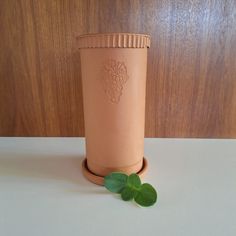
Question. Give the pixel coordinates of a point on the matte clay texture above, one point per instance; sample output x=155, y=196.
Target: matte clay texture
x=114, y=86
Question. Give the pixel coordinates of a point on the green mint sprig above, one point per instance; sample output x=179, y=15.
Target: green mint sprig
x=130, y=187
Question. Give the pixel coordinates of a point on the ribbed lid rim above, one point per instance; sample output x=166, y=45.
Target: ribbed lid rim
x=114, y=40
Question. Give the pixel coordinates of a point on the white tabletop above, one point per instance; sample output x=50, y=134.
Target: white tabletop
x=43, y=193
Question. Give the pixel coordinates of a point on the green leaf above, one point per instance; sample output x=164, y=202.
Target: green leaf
x=134, y=181
x=130, y=187
x=115, y=182
x=127, y=193
x=146, y=196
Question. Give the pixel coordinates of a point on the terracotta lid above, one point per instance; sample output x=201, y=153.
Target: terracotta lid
x=114, y=40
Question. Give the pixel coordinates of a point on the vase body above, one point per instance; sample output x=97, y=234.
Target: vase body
x=114, y=86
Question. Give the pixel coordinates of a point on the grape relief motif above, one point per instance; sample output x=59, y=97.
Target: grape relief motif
x=114, y=77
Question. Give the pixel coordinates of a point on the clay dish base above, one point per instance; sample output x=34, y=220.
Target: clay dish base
x=96, y=179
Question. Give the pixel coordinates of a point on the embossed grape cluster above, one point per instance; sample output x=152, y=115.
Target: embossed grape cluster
x=113, y=79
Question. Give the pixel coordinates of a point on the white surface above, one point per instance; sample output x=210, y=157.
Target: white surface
x=43, y=193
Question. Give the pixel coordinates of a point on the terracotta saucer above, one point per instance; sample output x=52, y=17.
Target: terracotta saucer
x=100, y=179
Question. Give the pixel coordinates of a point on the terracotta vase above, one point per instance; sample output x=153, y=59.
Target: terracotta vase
x=114, y=84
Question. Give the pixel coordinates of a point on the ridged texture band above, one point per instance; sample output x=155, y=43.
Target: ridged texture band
x=114, y=40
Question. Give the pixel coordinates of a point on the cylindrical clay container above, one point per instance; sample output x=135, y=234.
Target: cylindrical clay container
x=114, y=84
